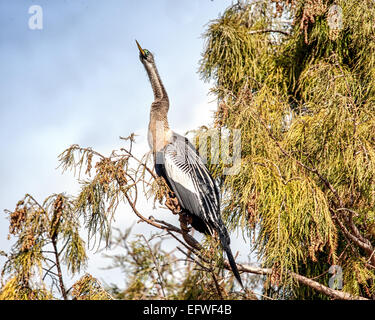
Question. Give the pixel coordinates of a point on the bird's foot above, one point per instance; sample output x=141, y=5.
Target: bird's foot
x=173, y=205
x=185, y=221
x=188, y=218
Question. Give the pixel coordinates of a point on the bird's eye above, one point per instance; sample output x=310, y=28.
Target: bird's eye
x=146, y=52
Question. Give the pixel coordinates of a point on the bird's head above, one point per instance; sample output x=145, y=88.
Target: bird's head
x=144, y=55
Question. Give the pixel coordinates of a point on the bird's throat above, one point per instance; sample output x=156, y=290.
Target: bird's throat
x=158, y=129
x=156, y=83
x=159, y=134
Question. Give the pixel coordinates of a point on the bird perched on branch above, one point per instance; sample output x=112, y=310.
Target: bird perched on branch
x=178, y=162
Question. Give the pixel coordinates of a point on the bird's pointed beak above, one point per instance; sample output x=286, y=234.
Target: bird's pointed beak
x=140, y=49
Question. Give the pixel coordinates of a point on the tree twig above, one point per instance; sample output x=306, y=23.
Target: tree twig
x=335, y=294
x=157, y=267
x=59, y=273
x=269, y=31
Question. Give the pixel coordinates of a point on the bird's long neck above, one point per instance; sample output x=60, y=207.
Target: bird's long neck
x=156, y=83
x=158, y=127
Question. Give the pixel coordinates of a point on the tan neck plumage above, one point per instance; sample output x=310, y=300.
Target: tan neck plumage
x=158, y=128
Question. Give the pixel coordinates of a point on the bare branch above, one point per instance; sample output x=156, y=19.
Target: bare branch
x=335, y=294
x=269, y=31
x=364, y=245
x=157, y=267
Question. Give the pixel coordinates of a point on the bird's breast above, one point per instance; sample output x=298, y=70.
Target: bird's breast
x=158, y=136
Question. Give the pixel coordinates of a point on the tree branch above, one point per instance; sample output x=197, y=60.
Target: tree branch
x=157, y=267
x=365, y=245
x=59, y=273
x=335, y=294
x=269, y=31
x=162, y=224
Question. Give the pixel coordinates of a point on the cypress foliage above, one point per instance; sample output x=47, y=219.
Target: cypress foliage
x=297, y=79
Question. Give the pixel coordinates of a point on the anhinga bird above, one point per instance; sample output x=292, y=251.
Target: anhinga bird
x=178, y=162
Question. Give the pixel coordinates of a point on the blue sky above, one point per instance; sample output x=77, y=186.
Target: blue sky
x=79, y=80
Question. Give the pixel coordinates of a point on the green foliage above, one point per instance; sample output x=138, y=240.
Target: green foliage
x=13, y=290
x=244, y=55
x=154, y=273
x=305, y=106
x=46, y=235
x=115, y=180
x=48, y=239
x=302, y=96
x=89, y=288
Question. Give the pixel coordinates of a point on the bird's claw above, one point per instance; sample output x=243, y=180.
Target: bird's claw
x=173, y=205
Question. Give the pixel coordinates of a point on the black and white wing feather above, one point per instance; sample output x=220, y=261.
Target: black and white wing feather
x=190, y=180
x=179, y=163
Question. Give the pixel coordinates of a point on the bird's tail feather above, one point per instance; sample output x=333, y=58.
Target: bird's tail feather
x=225, y=242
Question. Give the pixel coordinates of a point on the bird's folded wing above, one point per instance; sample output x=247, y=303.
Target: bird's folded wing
x=190, y=180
